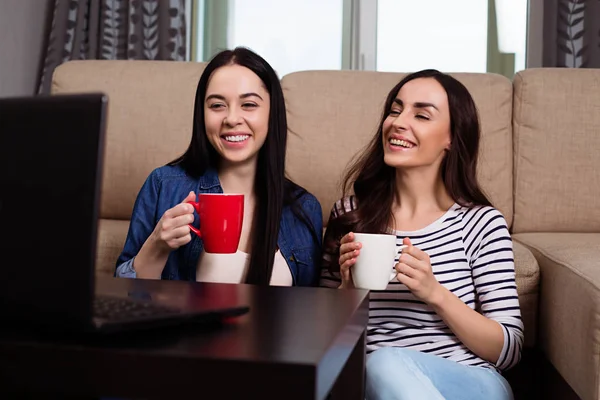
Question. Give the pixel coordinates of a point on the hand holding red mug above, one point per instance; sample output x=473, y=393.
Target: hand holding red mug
x=172, y=231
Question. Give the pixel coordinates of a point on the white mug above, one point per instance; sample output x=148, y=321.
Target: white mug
x=374, y=267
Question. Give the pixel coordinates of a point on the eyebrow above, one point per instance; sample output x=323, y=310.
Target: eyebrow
x=242, y=96
x=418, y=104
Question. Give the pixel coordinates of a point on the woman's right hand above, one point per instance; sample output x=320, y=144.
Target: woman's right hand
x=170, y=233
x=172, y=230
x=349, y=251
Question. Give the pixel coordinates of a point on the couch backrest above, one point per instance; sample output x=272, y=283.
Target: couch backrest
x=331, y=115
x=334, y=114
x=150, y=110
x=557, y=137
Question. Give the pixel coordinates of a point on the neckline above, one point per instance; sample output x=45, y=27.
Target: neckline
x=247, y=255
x=432, y=225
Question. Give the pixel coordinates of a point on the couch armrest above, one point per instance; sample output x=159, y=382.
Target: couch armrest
x=569, y=323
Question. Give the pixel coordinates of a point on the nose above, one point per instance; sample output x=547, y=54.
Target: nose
x=233, y=117
x=400, y=122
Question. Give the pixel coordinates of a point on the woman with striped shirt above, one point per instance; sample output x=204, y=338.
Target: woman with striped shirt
x=450, y=322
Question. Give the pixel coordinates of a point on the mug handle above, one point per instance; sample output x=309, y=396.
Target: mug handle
x=394, y=272
x=196, y=205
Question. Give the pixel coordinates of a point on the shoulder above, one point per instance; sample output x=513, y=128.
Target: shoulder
x=483, y=224
x=312, y=209
x=481, y=215
x=310, y=201
x=485, y=232
x=176, y=174
x=167, y=172
x=343, y=206
x=306, y=200
x=169, y=182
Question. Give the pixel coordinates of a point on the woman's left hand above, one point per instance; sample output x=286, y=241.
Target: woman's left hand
x=414, y=270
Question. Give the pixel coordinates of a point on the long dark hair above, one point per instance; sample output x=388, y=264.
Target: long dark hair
x=374, y=184
x=273, y=190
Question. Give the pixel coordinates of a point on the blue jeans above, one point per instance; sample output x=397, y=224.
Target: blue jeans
x=394, y=373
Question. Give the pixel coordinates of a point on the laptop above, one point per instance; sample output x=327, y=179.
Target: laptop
x=51, y=161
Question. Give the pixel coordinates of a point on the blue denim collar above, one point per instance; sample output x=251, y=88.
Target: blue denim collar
x=209, y=179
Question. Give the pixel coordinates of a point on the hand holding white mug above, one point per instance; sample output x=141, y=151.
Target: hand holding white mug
x=349, y=251
x=415, y=271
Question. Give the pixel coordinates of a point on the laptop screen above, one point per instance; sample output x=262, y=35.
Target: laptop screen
x=51, y=157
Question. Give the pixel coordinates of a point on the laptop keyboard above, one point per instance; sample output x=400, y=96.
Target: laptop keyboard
x=116, y=309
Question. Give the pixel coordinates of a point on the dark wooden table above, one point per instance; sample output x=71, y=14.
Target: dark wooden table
x=295, y=343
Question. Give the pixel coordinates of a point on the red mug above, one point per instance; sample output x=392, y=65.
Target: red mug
x=221, y=217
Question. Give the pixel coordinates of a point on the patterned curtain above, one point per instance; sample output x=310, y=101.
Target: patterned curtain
x=113, y=30
x=572, y=33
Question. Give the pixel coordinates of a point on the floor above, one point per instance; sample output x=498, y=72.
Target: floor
x=535, y=378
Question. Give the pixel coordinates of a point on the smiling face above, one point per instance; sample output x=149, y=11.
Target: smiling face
x=416, y=131
x=236, y=113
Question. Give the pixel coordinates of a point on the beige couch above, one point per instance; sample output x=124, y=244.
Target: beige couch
x=539, y=166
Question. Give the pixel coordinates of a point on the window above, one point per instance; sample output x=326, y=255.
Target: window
x=447, y=35
x=291, y=35
x=382, y=35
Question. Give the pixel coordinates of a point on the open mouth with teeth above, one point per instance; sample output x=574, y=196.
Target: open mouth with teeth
x=401, y=143
x=235, y=138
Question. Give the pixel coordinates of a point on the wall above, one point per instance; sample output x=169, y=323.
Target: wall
x=22, y=24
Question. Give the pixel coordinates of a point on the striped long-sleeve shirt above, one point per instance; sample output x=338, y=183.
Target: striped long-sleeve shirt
x=471, y=254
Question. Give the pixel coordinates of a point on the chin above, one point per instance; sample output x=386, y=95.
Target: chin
x=392, y=160
x=238, y=158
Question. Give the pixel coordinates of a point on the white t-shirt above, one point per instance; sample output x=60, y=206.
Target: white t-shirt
x=232, y=268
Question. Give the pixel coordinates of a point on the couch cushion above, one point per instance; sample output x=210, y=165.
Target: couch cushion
x=111, y=239
x=528, y=280
x=569, y=321
x=333, y=114
x=557, y=139
x=150, y=111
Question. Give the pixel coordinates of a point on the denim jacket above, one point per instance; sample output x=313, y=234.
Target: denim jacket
x=167, y=186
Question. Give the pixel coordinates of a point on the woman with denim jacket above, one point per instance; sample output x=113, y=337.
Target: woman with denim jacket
x=238, y=145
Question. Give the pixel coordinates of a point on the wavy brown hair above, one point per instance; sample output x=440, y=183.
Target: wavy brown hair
x=374, y=184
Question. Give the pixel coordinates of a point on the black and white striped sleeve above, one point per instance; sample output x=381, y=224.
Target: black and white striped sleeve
x=330, y=252
x=493, y=268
